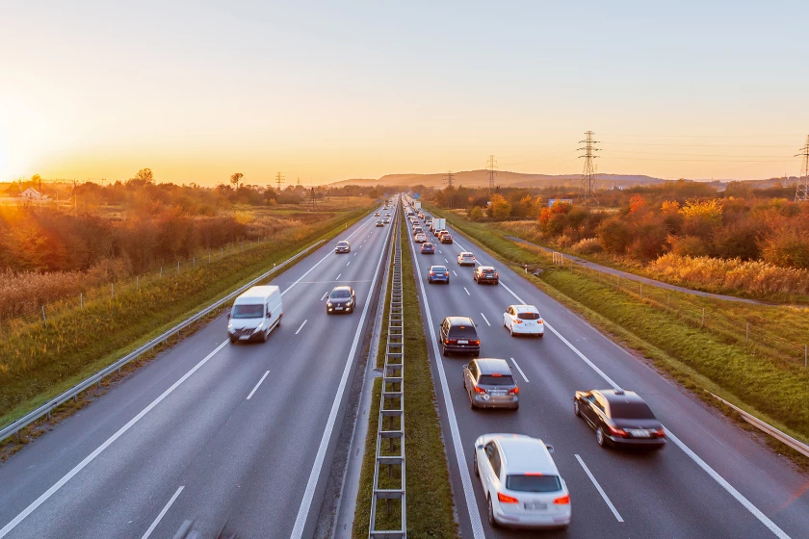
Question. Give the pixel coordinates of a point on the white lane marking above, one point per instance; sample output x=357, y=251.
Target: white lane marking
x=463, y=470
x=338, y=277
x=467, y=291
x=447, y=261
x=324, y=296
x=355, y=254
x=769, y=524
x=92, y=456
x=524, y=377
x=162, y=513
x=317, y=466
x=485, y=319
x=455, y=274
x=439, y=252
x=258, y=384
x=599, y=489
x=300, y=328
x=772, y=526
x=349, y=263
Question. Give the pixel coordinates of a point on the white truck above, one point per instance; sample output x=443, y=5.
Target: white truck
x=438, y=223
x=417, y=205
x=255, y=314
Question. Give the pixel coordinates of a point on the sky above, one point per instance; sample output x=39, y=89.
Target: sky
x=326, y=91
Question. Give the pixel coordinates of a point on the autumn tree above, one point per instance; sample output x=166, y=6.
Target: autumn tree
x=235, y=179
x=500, y=209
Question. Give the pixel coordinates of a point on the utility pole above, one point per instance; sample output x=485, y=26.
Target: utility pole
x=802, y=187
x=75, y=200
x=491, y=166
x=589, y=176
x=448, y=179
x=279, y=180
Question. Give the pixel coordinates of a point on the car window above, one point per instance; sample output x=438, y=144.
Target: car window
x=533, y=483
x=528, y=316
x=494, y=380
x=496, y=462
x=338, y=294
x=473, y=370
x=463, y=332
x=600, y=402
x=247, y=311
x=630, y=410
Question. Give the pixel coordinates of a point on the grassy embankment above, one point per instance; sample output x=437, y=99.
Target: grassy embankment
x=40, y=362
x=771, y=384
x=429, y=494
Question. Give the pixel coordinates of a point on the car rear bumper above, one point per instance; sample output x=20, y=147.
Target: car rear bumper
x=637, y=442
x=466, y=263
x=532, y=521
x=519, y=329
x=438, y=279
x=462, y=349
x=486, y=280
x=480, y=401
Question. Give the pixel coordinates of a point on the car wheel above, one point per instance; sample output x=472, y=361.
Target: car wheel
x=600, y=438
x=475, y=463
x=444, y=351
x=517, y=407
x=492, y=521
x=232, y=340
x=576, y=410
x=265, y=336
x=476, y=354
x=447, y=280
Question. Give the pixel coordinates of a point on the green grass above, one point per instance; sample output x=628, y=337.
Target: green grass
x=41, y=362
x=774, y=389
x=430, y=506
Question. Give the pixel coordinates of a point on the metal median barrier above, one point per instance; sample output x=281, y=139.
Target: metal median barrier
x=389, y=470
x=73, y=393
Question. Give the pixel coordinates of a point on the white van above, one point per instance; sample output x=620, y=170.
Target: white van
x=255, y=314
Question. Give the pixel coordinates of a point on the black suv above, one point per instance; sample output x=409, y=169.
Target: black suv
x=459, y=336
x=620, y=418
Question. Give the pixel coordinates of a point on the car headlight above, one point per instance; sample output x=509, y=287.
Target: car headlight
x=329, y=304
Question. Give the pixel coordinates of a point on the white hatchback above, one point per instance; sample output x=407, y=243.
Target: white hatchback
x=521, y=483
x=523, y=320
x=421, y=237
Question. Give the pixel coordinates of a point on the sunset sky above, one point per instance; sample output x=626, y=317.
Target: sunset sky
x=199, y=90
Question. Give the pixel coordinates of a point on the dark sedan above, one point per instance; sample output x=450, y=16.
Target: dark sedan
x=427, y=249
x=459, y=336
x=341, y=300
x=486, y=274
x=438, y=274
x=620, y=418
x=342, y=247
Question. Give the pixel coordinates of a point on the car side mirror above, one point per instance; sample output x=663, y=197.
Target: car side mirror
x=228, y=315
x=549, y=448
x=479, y=446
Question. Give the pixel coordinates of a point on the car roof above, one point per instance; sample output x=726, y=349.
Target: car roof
x=460, y=321
x=614, y=396
x=342, y=241
x=525, y=309
x=523, y=454
x=490, y=365
x=485, y=267
x=336, y=288
x=469, y=253
x=426, y=244
x=438, y=267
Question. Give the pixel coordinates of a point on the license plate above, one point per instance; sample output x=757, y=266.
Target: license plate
x=535, y=506
x=463, y=342
x=338, y=308
x=498, y=393
x=639, y=433
x=244, y=337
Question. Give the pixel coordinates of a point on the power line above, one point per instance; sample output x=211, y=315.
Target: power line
x=492, y=168
x=279, y=179
x=589, y=176
x=448, y=179
x=802, y=188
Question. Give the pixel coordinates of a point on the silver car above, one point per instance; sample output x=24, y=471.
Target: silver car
x=489, y=384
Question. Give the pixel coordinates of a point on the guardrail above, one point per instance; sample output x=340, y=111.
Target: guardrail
x=391, y=408
x=782, y=437
x=73, y=393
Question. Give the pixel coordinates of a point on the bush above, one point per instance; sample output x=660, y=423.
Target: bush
x=615, y=235
x=588, y=246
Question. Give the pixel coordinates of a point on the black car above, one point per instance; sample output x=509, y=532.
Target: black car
x=486, y=274
x=459, y=336
x=620, y=418
x=341, y=300
x=438, y=274
x=427, y=249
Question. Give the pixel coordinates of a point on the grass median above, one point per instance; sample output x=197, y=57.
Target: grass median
x=430, y=505
x=43, y=361
x=768, y=387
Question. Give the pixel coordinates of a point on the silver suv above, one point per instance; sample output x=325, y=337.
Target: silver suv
x=489, y=384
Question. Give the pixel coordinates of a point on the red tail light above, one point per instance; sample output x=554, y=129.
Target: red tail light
x=563, y=500
x=518, y=321
x=497, y=275
x=508, y=499
x=432, y=273
x=539, y=321
x=617, y=432
x=660, y=433
x=480, y=390
x=515, y=391
x=476, y=342
x=451, y=341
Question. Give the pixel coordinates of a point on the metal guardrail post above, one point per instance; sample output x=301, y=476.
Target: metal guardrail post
x=391, y=424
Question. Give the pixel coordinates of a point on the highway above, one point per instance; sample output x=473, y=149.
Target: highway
x=712, y=480
x=210, y=431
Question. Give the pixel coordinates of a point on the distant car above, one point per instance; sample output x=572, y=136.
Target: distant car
x=427, y=249
x=428, y=221
x=418, y=230
x=523, y=320
x=380, y=223
x=420, y=238
x=459, y=336
x=446, y=238
x=342, y=247
x=376, y=214
x=620, y=418
x=466, y=259
x=342, y=299
x=439, y=232
x=489, y=384
x=438, y=274
x=386, y=220
x=486, y=274
x=421, y=215
x=521, y=482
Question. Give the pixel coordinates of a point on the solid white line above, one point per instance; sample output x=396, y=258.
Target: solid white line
x=463, y=470
x=300, y=328
x=89, y=458
x=317, y=466
x=599, y=489
x=349, y=263
x=324, y=296
x=772, y=526
x=778, y=532
x=467, y=291
x=162, y=514
x=485, y=319
x=455, y=274
x=338, y=277
x=519, y=369
x=258, y=384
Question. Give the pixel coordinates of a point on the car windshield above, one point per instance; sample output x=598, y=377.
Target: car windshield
x=528, y=316
x=468, y=255
x=247, y=311
x=630, y=410
x=487, y=270
x=533, y=483
x=496, y=380
x=343, y=244
x=340, y=294
x=438, y=269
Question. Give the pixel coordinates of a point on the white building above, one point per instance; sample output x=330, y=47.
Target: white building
x=33, y=194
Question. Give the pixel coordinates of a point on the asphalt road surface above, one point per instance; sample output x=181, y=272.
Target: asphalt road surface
x=711, y=480
x=208, y=430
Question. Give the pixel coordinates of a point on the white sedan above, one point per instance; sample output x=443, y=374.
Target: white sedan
x=421, y=237
x=523, y=320
x=520, y=482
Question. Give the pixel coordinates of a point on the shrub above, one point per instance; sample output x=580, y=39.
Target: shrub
x=588, y=246
x=615, y=235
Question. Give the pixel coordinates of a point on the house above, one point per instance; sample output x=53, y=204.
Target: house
x=33, y=194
